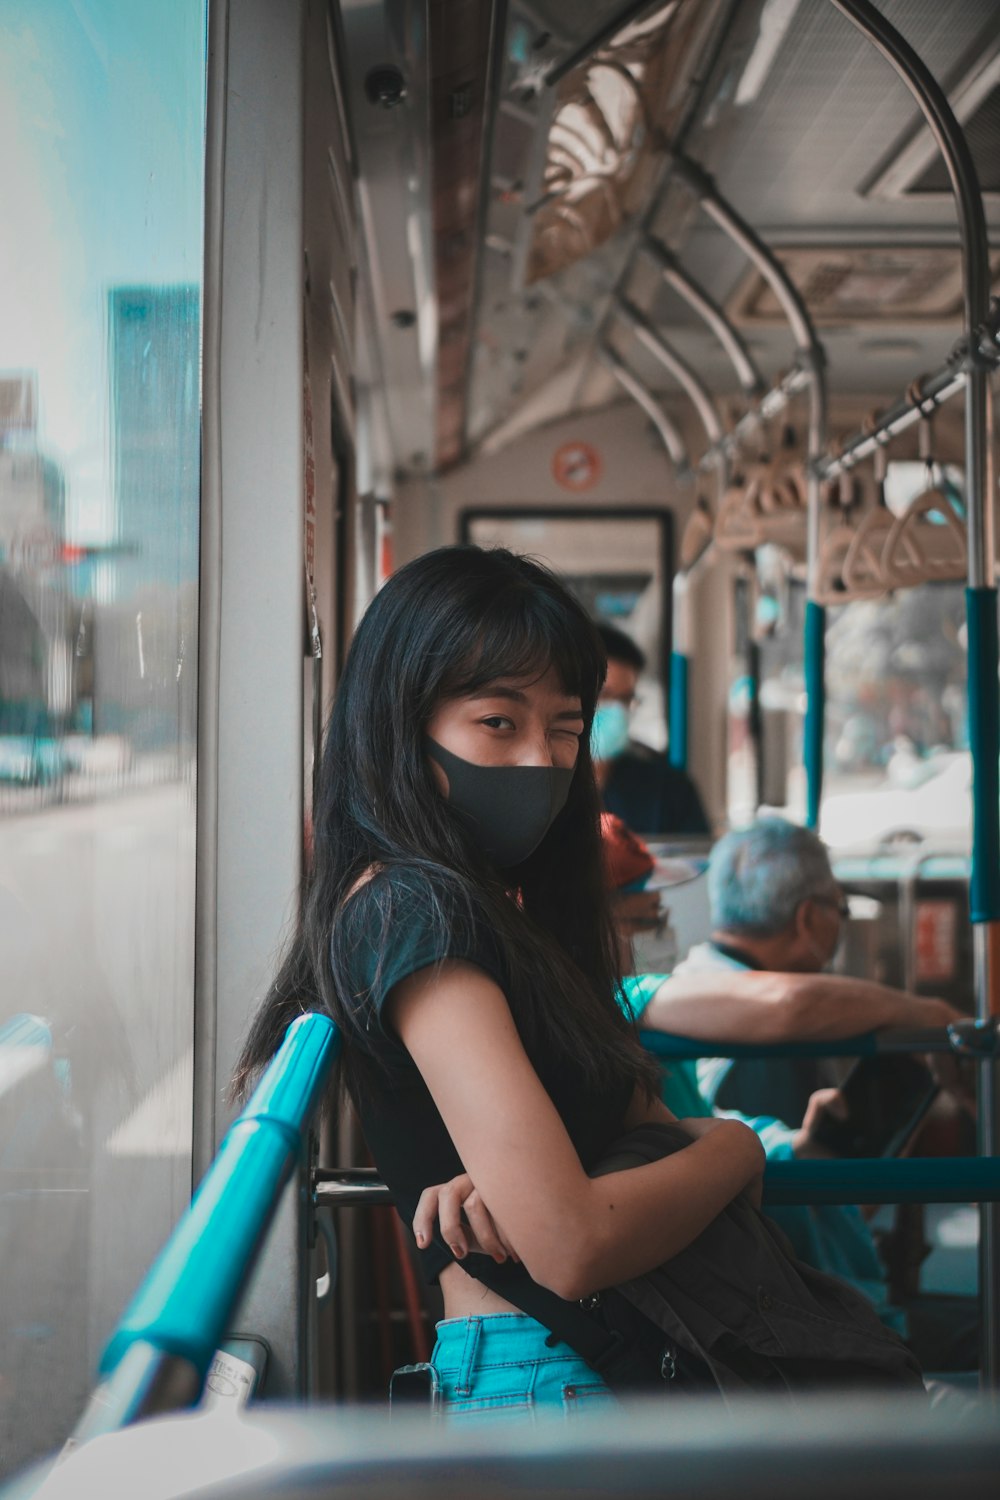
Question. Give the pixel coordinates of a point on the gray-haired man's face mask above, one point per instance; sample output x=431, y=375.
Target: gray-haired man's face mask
x=508, y=809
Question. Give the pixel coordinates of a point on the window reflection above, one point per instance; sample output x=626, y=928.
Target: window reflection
x=896, y=757
x=102, y=181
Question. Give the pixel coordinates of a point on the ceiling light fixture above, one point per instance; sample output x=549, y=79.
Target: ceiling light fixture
x=775, y=19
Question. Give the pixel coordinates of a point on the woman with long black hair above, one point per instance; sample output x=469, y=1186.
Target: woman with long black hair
x=457, y=931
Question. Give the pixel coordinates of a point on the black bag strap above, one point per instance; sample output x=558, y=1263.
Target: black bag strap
x=568, y=1321
x=623, y=1360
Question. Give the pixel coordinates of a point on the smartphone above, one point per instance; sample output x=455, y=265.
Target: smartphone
x=415, y=1385
x=886, y=1098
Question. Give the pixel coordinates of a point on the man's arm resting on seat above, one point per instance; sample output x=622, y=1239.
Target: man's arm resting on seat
x=757, y=1007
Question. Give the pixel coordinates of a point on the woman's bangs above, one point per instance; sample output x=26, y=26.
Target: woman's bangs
x=523, y=637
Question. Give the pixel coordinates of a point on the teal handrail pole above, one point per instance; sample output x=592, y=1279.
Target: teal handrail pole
x=677, y=753
x=180, y=1312
x=679, y=715
x=981, y=598
x=193, y=1286
x=975, y=1039
x=984, y=744
x=814, y=665
x=934, y=1179
x=682, y=1048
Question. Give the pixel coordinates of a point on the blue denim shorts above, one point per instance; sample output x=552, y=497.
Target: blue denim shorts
x=500, y=1366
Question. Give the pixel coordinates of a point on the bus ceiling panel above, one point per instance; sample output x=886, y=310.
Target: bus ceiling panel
x=784, y=142
x=388, y=99
x=870, y=349
x=522, y=367
x=572, y=170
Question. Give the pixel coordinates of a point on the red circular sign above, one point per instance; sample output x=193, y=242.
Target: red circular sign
x=577, y=466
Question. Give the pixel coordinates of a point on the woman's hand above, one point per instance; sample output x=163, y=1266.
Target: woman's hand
x=465, y=1221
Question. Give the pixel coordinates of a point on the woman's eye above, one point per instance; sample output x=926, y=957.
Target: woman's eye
x=498, y=721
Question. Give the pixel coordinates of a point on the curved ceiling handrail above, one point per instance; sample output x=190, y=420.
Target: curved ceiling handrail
x=811, y=355
x=643, y=396
x=700, y=396
x=754, y=248
x=747, y=373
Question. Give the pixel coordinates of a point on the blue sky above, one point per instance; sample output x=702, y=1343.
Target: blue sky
x=101, y=182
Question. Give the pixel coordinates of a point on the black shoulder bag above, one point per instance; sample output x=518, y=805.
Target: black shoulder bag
x=733, y=1312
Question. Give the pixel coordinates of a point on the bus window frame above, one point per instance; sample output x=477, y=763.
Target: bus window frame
x=661, y=515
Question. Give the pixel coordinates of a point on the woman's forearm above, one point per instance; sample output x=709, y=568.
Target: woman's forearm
x=625, y=1223
x=758, y=1007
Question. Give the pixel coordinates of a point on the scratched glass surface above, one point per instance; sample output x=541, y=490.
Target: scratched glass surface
x=102, y=179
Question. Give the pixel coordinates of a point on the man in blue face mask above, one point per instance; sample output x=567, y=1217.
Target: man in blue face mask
x=637, y=784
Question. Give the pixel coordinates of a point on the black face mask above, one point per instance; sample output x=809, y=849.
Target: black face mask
x=509, y=809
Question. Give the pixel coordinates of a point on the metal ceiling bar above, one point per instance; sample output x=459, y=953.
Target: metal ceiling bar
x=812, y=358
x=933, y=392
x=981, y=609
x=747, y=373
x=770, y=405
x=643, y=396
x=593, y=43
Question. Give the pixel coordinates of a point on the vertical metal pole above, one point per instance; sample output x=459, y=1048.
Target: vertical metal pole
x=814, y=661
x=812, y=360
x=981, y=601
x=755, y=714
x=677, y=753
x=814, y=668
x=677, y=750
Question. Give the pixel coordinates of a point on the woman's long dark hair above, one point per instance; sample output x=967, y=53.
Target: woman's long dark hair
x=443, y=626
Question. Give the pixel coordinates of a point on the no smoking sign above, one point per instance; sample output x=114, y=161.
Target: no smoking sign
x=576, y=466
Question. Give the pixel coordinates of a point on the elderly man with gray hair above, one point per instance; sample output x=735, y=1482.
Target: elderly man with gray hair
x=775, y=906
x=777, y=914
x=774, y=897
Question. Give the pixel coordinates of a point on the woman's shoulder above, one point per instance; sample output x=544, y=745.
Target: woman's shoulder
x=385, y=893
x=400, y=919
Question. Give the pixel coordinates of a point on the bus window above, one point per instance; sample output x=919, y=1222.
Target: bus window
x=102, y=111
